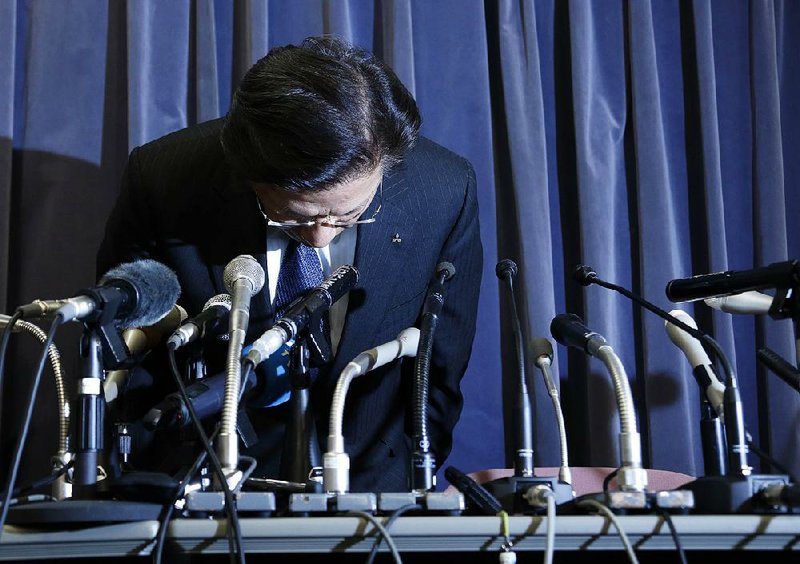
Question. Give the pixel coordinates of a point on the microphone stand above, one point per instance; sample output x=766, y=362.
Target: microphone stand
x=512, y=491
x=301, y=452
x=738, y=489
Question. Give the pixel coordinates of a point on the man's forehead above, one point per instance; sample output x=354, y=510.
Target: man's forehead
x=339, y=196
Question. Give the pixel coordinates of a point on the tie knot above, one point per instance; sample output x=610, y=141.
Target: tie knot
x=300, y=271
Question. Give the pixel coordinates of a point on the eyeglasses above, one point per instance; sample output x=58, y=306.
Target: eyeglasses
x=328, y=221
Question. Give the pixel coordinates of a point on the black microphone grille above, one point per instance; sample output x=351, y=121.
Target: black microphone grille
x=506, y=269
x=445, y=269
x=584, y=274
x=563, y=325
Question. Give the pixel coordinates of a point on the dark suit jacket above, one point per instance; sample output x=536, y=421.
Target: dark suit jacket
x=181, y=204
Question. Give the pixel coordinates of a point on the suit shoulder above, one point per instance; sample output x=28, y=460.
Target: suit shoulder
x=197, y=145
x=428, y=153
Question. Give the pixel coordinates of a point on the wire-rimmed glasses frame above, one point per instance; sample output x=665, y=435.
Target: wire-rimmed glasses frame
x=329, y=221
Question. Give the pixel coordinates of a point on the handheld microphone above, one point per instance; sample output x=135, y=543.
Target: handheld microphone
x=207, y=396
x=134, y=294
x=776, y=275
x=208, y=321
x=295, y=319
x=753, y=303
x=138, y=340
x=702, y=368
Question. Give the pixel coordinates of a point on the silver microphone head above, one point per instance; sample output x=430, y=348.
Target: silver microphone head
x=223, y=300
x=244, y=267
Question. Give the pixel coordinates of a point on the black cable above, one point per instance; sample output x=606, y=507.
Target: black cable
x=607, y=480
x=26, y=422
x=767, y=457
x=674, y=532
x=42, y=482
x=166, y=515
x=233, y=529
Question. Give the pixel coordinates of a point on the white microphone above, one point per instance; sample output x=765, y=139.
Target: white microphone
x=752, y=303
x=336, y=462
x=702, y=368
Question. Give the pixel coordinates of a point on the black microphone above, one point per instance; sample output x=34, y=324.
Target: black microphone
x=134, y=294
x=776, y=275
x=423, y=461
x=207, y=396
x=569, y=330
x=210, y=321
x=734, y=417
x=506, y=270
x=295, y=319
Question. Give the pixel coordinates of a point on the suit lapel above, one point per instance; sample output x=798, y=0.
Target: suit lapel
x=382, y=247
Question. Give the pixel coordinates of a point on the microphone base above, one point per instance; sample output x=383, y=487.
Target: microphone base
x=510, y=491
x=83, y=512
x=721, y=495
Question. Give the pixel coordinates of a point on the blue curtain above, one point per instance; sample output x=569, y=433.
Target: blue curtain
x=651, y=139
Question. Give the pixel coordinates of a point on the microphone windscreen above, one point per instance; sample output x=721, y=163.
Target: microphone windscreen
x=506, y=269
x=157, y=291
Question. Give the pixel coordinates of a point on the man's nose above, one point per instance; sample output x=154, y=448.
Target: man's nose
x=318, y=235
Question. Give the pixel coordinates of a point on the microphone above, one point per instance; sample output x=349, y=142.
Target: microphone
x=569, y=330
x=776, y=275
x=336, y=462
x=542, y=351
x=244, y=278
x=506, y=270
x=315, y=303
x=734, y=417
x=207, y=396
x=138, y=340
x=423, y=462
x=753, y=303
x=702, y=368
x=133, y=294
x=207, y=322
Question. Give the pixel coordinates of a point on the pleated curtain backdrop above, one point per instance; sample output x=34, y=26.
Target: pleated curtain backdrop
x=649, y=139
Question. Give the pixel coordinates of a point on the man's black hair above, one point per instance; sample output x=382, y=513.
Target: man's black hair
x=312, y=116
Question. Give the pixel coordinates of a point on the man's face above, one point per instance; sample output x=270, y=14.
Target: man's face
x=342, y=204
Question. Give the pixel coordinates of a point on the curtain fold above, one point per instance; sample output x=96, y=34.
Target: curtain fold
x=651, y=140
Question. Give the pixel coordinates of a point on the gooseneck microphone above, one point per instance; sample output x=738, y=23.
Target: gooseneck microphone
x=244, y=278
x=734, y=417
x=423, y=462
x=336, y=462
x=776, y=275
x=542, y=352
x=506, y=270
x=316, y=302
x=569, y=330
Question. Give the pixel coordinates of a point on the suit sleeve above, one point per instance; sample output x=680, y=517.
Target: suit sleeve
x=456, y=327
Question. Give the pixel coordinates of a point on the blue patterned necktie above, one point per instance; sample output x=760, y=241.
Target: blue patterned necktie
x=300, y=271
